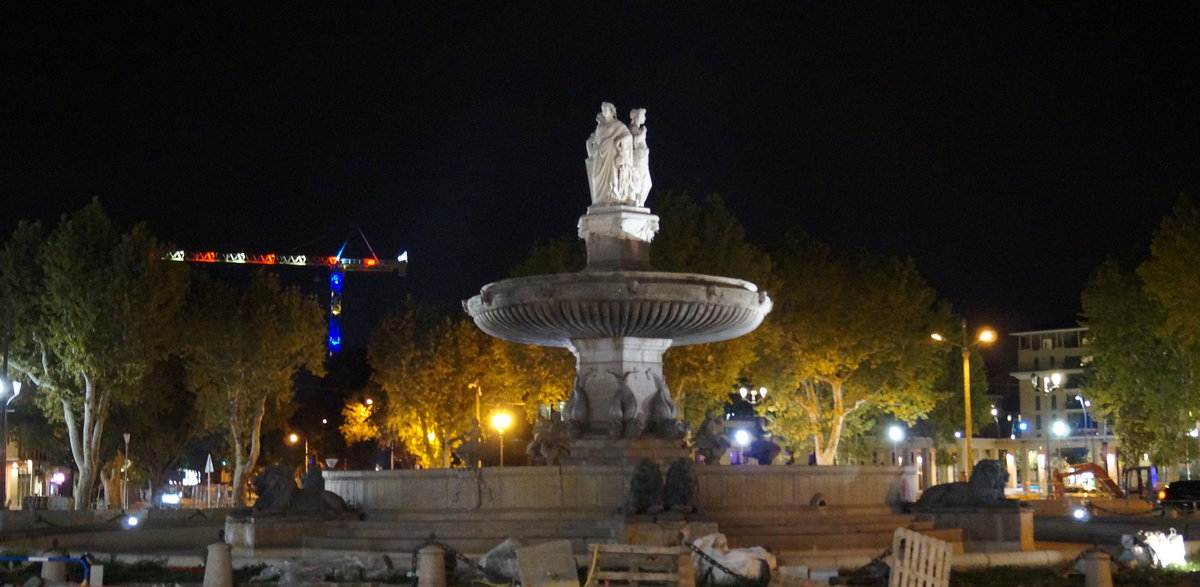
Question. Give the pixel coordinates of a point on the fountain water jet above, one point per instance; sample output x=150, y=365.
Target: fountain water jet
x=619, y=315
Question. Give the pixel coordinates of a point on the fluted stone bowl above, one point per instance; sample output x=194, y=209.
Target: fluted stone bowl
x=550, y=310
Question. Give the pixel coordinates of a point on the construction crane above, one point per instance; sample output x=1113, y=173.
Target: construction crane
x=337, y=264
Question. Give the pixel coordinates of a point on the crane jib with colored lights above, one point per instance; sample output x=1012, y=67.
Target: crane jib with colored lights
x=337, y=264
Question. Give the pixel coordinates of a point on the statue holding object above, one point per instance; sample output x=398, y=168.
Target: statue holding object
x=618, y=160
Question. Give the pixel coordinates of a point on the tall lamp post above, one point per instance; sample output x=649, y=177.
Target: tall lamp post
x=985, y=336
x=1060, y=430
x=293, y=438
x=5, y=387
x=501, y=421
x=125, y=477
x=1086, y=428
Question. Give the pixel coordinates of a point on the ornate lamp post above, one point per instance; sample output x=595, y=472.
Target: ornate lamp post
x=753, y=395
x=985, y=336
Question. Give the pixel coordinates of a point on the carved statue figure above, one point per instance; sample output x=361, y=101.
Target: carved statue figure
x=645, y=489
x=985, y=488
x=612, y=174
x=577, y=411
x=550, y=441
x=711, y=441
x=662, y=412
x=680, y=489
x=640, y=177
x=470, y=445
x=278, y=494
x=624, y=422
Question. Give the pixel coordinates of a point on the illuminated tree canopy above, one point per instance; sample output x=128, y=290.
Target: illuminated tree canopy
x=93, y=310
x=244, y=351
x=1144, y=347
x=851, y=331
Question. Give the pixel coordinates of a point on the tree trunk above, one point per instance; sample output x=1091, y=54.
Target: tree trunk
x=85, y=438
x=246, y=457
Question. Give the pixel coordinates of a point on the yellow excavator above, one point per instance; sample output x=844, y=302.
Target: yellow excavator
x=1098, y=473
x=1135, y=497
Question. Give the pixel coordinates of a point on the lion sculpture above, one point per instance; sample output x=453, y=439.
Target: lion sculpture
x=985, y=488
x=279, y=495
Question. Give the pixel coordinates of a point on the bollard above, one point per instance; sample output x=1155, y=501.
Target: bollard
x=218, y=570
x=1097, y=570
x=431, y=567
x=55, y=571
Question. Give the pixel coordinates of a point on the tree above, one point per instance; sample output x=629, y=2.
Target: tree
x=160, y=420
x=245, y=349
x=1141, y=320
x=853, y=332
x=93, y=310
x=426, y=363
x=946, y=417
x=526, y=374
x=1170, y=277
x=705, y=238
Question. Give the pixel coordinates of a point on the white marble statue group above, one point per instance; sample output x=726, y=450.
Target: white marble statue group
x=618, y=161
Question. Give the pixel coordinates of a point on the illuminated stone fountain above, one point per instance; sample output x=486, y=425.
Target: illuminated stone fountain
x=619, y=315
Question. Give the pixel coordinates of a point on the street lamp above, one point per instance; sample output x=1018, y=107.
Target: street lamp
x=895, y=434
x=293, y=438
x=1086, y=428
x=996, y=419
x=742, y=438
x=8, y=398
x=753, y=395
x=501, y=421
x=985, y=336
x=125, y=477
x=1049, y=383
x=1059, y=429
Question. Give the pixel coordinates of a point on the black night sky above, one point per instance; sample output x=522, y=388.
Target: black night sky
x=1007, y=147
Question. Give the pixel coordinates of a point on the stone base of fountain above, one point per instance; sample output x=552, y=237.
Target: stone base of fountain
x=605, y=451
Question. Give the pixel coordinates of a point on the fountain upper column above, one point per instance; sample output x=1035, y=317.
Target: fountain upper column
x=618, y=237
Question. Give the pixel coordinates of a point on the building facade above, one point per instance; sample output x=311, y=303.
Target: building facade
x=1056, y=424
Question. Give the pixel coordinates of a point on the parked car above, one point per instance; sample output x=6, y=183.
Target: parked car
x=1180, y=495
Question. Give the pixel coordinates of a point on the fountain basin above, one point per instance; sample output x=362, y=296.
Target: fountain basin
x=552, y=310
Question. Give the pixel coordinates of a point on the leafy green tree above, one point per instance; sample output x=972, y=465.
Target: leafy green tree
x=527, y=375
x=245, y=349
x=1170, y=277
x=427, y=362
x=160, y=420
x=93, y=311
x=853, y=333
x=705, y=238
x=946, y=417
x=1141, y=374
